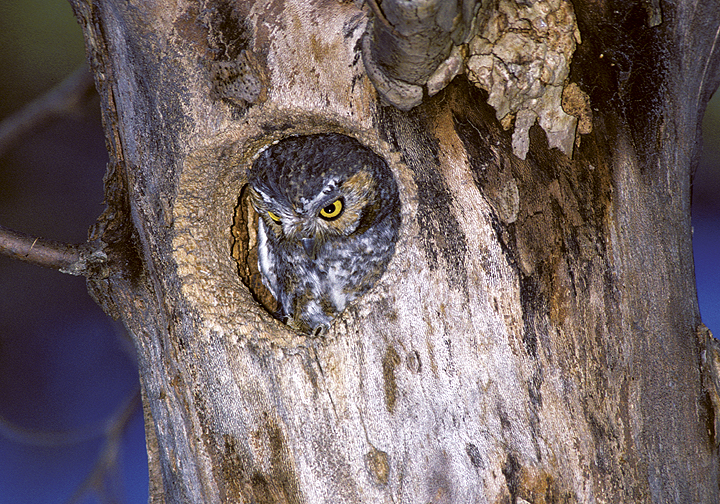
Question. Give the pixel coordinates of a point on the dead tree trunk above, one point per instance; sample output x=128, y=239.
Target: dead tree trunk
x=535, y=337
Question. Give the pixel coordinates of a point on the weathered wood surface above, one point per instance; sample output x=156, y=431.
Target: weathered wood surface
x=534, y=337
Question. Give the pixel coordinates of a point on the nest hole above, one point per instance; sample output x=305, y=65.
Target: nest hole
x=245, y=252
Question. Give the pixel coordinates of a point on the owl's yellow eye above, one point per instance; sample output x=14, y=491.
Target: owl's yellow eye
x=333, y=210
x=274, y=217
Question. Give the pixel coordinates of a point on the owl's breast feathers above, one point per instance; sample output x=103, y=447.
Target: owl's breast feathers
x=316, y=290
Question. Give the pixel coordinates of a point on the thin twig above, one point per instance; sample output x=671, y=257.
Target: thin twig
x=106, y=465
x=34, y=250
x=61, y=99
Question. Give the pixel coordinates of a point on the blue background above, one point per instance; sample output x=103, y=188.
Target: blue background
x=66, y=368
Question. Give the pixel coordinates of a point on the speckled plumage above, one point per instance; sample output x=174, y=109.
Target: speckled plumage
x=315, y=262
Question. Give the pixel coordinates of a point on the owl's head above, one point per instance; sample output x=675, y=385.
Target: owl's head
x=316, y=188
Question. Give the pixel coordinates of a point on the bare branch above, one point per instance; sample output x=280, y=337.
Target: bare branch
x=45, y=253
x=100, y=480
x=407, y=42
x=67, y=258
x=60, y=99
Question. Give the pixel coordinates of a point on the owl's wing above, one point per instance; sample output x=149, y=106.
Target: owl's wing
x=266, y=260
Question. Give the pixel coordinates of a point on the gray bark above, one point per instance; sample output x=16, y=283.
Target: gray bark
x=536, y=336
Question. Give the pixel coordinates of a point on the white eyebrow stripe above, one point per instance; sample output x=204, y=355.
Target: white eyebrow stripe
x=328, y=189
x=265, y=196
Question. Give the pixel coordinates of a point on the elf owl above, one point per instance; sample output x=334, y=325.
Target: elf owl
x=329, y=217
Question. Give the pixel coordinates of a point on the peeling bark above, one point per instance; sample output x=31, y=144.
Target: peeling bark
x=536, y=336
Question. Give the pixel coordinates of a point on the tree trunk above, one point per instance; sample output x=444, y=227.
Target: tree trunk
x=535, y=337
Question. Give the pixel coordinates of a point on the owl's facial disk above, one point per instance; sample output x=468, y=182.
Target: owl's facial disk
x=335, y=211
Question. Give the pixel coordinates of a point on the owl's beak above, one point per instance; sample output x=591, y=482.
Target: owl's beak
x=309, y=246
